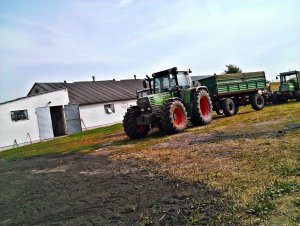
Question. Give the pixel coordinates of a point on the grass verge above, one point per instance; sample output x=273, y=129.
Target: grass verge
x=253, y=157
x=82, y=142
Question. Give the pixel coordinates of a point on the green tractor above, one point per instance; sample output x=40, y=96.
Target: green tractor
x=172, y=101
x=289, y=87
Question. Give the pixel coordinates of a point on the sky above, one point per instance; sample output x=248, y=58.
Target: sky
x=73, y=40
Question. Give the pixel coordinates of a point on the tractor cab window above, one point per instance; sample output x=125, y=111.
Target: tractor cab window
x=291, y=79
x=183, y=82
x=164, y=83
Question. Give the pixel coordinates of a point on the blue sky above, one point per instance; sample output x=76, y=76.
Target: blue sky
x=73, y=40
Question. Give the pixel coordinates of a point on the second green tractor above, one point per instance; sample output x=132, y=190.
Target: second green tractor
x=289, y=87
x=173, y=99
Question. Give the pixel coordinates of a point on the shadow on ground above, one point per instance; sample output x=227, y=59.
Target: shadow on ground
x=89, y=189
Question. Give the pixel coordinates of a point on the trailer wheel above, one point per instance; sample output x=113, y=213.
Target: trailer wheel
x=228, y=107
x=219, y=111
x=257, y=102
x=237, y=108
x=297, y=94
x=132, y=130
x=202, y=109
x=173, y=117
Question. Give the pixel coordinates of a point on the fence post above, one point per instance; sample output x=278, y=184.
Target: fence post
x=83, y=123
x=15, y=143
x=29, y=138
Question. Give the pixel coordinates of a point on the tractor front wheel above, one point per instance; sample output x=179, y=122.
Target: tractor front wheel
x=257, y=102
x=132, y=130
x=173, y=117
x=202, y=109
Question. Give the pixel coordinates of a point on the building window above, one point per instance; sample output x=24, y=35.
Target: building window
x=19, y=115
x=109, y=108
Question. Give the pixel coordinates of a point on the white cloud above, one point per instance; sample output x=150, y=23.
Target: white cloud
x=124, y=3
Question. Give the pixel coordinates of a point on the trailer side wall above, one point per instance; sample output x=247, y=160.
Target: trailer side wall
x=234, y=83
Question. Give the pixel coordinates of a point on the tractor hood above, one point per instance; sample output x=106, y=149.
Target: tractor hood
x=159, y=99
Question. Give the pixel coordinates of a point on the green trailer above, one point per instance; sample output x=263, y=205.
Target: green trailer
x=229, y=91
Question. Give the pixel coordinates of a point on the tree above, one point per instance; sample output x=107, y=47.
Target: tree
x=232, y=68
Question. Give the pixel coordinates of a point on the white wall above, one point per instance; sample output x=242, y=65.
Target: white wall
x=11, y=130
x=94, y=115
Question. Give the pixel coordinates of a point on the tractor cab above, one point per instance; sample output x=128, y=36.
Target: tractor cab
x=168, y=81
x=289, y=81
x=289, y=87
x=171, y=80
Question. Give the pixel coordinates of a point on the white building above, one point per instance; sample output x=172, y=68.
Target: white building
x=56, y=109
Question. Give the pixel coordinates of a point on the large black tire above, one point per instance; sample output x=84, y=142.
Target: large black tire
x=228, y=107
x=297, y=94
x=132, y=130
x=219, y=111
x=237, y=108
x=202, y=109
x=257, y=102
x=275, y=99
x=173, y=117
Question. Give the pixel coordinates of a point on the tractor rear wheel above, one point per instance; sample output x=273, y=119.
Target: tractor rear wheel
x=173, y=117
x=297, y=94
x=202, y=109
x=228, y=107
x=257, y=102
x=132, y=130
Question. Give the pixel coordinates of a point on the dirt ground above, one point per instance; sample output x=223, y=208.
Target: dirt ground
x=93, y=190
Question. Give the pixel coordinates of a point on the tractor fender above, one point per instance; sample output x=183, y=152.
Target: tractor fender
x=201, y=87
x=134, y=107
x=197, y=89
x=174, y=98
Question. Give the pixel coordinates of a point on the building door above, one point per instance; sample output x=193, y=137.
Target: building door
x=72, y=117
x=58, y=122
x=45, y=123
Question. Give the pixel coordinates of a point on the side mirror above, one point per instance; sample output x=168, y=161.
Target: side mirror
x=145, y=84
x=276, y=77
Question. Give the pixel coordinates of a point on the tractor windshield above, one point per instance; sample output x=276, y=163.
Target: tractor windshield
x=164, y=83
x=290, y=78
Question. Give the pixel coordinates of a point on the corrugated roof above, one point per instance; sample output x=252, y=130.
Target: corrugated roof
x=93, y=91
x=20, y=98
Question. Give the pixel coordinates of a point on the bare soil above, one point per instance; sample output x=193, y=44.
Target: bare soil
x=94, y=190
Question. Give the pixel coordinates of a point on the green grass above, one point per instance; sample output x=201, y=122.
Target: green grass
x=82, y=142
x=264, y=201
x=254, y=160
